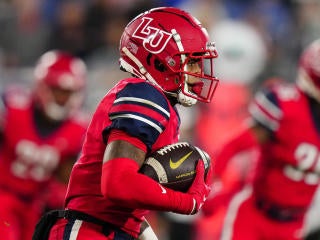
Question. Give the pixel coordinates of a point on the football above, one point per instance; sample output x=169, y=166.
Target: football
x=174, y=165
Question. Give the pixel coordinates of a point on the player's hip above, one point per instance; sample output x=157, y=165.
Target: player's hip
x=73, y=225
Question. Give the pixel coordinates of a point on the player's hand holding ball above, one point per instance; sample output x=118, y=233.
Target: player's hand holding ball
x=181, y=167
x=200, y=187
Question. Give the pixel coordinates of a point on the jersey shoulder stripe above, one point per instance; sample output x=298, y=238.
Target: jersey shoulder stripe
x=137, y=110
x=141, y=110
x=143, y=101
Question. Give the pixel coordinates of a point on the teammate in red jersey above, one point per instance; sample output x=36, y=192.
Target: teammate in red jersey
x=42, y=131
x=170, y=57
x=286, y=128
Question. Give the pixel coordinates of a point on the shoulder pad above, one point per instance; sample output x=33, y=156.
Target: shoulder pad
x=17, y=97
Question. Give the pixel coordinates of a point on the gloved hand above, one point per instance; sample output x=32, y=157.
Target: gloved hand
x=200, y=187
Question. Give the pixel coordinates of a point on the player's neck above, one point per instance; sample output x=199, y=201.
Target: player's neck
x=44, y=125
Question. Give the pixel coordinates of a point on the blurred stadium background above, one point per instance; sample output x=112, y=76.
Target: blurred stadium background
x=256, y=40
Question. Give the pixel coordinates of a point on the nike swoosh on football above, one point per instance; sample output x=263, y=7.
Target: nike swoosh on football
x=174, y=165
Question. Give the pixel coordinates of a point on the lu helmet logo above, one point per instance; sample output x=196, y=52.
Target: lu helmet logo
x=154, y=39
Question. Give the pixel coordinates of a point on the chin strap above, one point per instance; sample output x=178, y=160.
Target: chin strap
x=141, y=72
x=183, y=99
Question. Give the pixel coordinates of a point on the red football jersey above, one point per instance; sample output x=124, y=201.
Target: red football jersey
x=290, y=169
x=142, y=111
x=27, y=158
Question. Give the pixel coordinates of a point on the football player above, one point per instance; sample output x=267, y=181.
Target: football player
x=168, y=54
x=42, y=131
x=286, y=129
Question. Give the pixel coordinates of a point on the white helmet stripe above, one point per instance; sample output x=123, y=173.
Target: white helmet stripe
x=142, y=69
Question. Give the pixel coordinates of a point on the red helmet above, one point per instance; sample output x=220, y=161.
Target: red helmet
x=157, y=46
x=60, y=82
x=309, y=70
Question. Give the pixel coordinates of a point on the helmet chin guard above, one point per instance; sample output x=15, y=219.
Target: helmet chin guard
x=185, y=100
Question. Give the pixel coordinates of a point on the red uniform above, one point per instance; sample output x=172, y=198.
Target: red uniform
x=141, y=110
x=288, y=174
x=28, y=160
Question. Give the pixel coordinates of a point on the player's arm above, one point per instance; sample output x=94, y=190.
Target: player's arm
x=64, y=169
x=265, y=117
x=57, y=186
x=121, y=182
x=234, y=165
x=249, y=138
x=139, y=114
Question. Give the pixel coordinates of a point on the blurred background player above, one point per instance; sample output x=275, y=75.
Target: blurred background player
x=170, y=58
x=285, y=128
x=41, y=135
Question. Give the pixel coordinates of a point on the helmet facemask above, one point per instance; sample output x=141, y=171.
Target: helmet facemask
x=197, y=78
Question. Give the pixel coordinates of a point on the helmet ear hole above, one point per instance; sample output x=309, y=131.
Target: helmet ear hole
x=159, y=66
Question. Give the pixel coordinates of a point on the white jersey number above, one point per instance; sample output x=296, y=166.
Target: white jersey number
x=308, y=167
x=34, y=161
